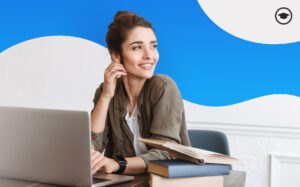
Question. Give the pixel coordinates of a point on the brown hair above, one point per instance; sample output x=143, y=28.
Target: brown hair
x=124, y=21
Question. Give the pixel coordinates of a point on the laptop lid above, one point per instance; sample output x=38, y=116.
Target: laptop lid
x=49, y=146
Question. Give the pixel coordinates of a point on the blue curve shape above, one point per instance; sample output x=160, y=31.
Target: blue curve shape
x=210, y=66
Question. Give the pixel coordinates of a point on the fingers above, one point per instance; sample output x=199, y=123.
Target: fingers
x=115, y=67
x=94, y=170
x=114, y=71
x=111, y=74
x=98, y=164
x=118, y=73
x=96, y=158
x=95, y=155
x=102, y=163
x=105, y=165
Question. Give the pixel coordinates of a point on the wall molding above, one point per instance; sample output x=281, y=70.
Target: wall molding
x=247, y=129
x=276, y=160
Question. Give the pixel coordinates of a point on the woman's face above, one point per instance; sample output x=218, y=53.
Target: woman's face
x=140, y=53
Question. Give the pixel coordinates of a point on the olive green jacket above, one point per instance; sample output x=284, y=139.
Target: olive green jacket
x=160, y=114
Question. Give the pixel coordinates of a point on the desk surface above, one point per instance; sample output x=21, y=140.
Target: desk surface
x=235, y=179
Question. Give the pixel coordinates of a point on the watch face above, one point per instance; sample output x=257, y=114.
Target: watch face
x=123, y=162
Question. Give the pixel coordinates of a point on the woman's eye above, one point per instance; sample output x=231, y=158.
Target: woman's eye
x=136, y=47
x=154, y=46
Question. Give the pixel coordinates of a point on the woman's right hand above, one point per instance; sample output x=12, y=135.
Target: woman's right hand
x=111, y=74
x=103, y=163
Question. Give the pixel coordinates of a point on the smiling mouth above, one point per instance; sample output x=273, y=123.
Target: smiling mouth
x=146, y=65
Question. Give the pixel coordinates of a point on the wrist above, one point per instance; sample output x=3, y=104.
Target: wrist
x=122, y=163
x=105, y=98
x=116, y=165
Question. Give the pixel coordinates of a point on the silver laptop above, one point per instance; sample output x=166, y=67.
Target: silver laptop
x=48, y=146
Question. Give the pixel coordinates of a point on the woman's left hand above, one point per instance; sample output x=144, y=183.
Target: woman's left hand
x=100, y=162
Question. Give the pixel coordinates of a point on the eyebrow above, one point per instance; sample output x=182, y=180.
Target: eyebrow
x=139, y=42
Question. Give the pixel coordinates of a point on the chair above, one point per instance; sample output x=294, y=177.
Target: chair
x=210, y=140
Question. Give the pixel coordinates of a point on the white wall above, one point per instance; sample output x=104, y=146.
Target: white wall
x=264, y=133
x=63, y=73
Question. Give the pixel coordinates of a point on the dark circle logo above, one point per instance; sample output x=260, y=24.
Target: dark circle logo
x=283, y=16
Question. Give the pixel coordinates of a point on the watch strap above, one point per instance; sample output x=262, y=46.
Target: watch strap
x=122, y=162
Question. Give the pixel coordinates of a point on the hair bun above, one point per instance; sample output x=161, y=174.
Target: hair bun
x=123, y=22
x=122, y=14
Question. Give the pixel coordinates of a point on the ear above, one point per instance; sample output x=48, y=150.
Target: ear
x=115, y=56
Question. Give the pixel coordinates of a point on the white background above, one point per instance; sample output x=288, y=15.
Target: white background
x=254, y=20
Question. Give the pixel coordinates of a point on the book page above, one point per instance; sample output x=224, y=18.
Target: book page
x=199, y=155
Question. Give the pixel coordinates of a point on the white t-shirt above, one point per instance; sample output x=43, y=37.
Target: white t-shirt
x=132, y=122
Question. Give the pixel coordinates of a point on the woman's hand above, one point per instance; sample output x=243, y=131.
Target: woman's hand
x=111, y=74
x=100, y=162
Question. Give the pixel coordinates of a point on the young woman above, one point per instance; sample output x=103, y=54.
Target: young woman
x=132, y=102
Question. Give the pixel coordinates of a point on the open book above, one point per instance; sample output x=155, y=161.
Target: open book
x=191, y=154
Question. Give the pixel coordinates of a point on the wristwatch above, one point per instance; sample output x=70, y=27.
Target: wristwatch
x=122, y=162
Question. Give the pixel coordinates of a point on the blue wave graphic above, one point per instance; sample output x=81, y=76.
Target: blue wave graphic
x=210, y=66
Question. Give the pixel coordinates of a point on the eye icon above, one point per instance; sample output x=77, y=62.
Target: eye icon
x=283, y=15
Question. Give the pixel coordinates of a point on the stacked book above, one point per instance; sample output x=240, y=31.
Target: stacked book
x=192, y=166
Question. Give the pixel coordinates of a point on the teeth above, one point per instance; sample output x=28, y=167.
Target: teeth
x=147, y=65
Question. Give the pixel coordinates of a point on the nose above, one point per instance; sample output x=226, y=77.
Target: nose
x=147, y=54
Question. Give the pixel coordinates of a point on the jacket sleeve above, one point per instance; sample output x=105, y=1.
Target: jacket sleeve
x=168, y=120
x=99, y=139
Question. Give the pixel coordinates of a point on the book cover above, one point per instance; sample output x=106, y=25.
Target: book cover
x=158, y=181
x=180, y=168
